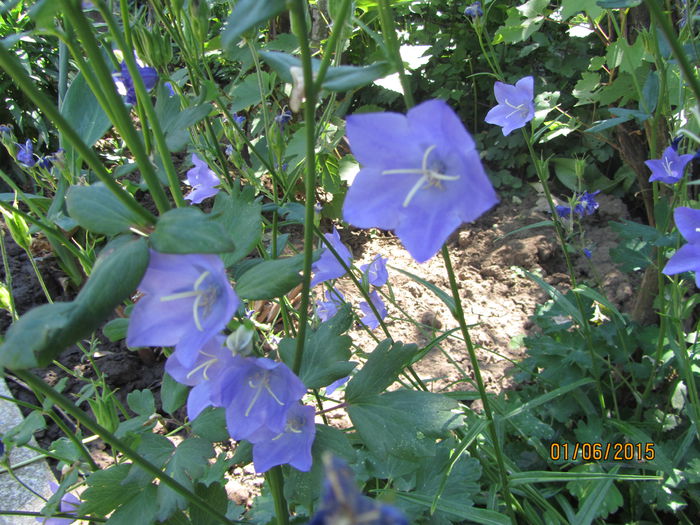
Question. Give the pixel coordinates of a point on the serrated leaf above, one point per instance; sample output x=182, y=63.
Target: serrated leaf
x=115, y=330
x=216, y=498
x=211, y=425
x=189, y=230
x=101, y=497
x=381, y=369
x=172, y=394
x=98, y=210
x=137, y=509
x=270, y=279
x=326, y=351
x=141, y=402
x=22, y=433
x=240, y=217
x=404, y=423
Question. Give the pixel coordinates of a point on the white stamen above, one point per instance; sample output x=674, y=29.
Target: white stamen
x=522, y=109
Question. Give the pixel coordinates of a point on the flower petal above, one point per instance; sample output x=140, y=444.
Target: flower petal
x=371, y=133
x=688, y=221
x=687, y=258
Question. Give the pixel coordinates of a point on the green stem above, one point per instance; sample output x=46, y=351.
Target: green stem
x=670, y=34
x=338, y=26
x=298, y=13
x=276, y=482
x=122, y=119
x=38, y=385
x=10, y=64
x=386, y=19
x=144, y=102
x=459, y=315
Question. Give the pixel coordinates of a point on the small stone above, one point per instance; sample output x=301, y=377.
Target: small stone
x=430, y=318
x=463, y=239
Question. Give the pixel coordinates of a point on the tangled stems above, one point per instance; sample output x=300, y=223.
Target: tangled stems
x=37, y=385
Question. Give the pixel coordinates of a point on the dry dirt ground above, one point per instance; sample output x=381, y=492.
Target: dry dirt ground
x=497, y=302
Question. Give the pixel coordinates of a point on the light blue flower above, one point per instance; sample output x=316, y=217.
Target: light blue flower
x=670, y=167
x=370, y=320
x=516, y=105
x=328, y=267
x=203, y=181
x=377, y=274
x=334, y=300
x=421, y=176
x=687, y=258
x=187, y=300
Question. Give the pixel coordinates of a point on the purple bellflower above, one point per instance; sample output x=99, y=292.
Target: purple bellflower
x=342, y=502
x=328, y=267
x=584, y=204
x=334, y=300
x=515, y=105
x=238, y=119
x=687, y=258
x=283, y=118
x=212, y=359
x=376, y=272
x=370, y=320
x=474, y=10
x=335, y=385
x=69, y=505
x=125, y=84
x=25, y=154
x=421, y=176
x=669, y=168
x=202, y=180
x=187, y=300
x=257, y=392
x=290, y=446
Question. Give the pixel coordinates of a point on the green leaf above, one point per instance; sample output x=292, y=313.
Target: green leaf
x=101, y=497
x=211, y=425
x=137, y=509
x=270, y=279
x=115, y=330
x=381, y=369
x=246, y=15
x=141, y=402
x=188, y=463
x=326, y=351
x=650, y=93
x=618, y=4
x=466, y=512
x=338, y=78
x=175, y=122
x=240, y=216
x=22, y=433
x=404, y=423
x=172, y=394
x=216, y=498
x=571, y=7
x=247, y=93
x=98, y=210
x=83, y=111
x=189, y=230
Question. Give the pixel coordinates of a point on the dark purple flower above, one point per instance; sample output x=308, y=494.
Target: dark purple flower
x=5, y=129
x=257, y=393
x=125, y=84
x=2, y=448
x=342, y=502
x=376, y=272
x=334, y=300
x=474, y=10
x=291, y=446
x=25, y=154
x=563, y=211
x=587, y=253
x=283, y=118
x=586, y=204
x=202, y=180
x=370, y=320
x=421, y=176
x=328, y=267
x=669, y=168
x=687, y=257
x=187, y=300
x=69, y=505
x=516, y=105
x=238, y=119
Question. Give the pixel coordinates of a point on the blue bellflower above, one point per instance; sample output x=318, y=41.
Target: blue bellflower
x=370, y=320
x=283, y=118
x=515, y=105
x=257, y=392
x=421, y=176
x=202, y=180
x=474, y=10
x=342, y=502
x=211, y=360
x=687, y=258
x=25, y=154
x=584, y=204
x=334, y=300
x=669, y=168
x=335, y=385
x=375, y=271
x=69, y=505
x=187, y=300
x=328, y=267
x=125, y=84
x=291, y=446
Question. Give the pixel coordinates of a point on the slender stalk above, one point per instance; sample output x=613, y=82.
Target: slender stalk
x=144, y=102
x=459, y=315
x=276, y=482
x=338, y=26
x=298, y=13
x=122, y=119
x=37, y=385
x=386, y=19
x=10, y=64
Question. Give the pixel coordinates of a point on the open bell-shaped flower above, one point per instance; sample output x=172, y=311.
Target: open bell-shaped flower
x=516, y=105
